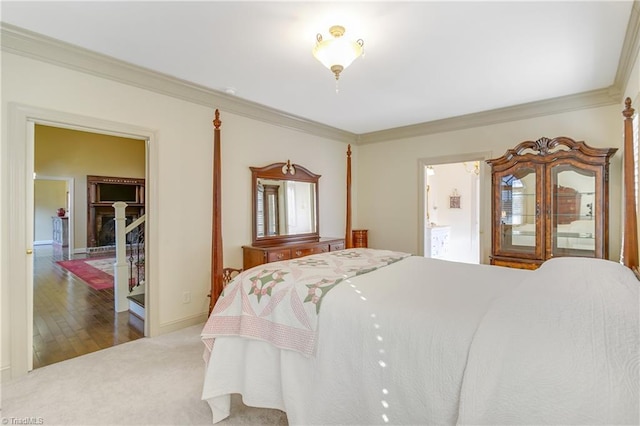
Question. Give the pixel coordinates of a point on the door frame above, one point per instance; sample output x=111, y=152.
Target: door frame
x=484, y=230
x=17, y=219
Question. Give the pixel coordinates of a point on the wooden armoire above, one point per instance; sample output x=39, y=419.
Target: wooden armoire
x=550, y=198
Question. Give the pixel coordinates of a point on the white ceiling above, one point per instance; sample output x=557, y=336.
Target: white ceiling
x=423, y=61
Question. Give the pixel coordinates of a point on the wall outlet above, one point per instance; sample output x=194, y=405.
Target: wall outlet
x=186, y=297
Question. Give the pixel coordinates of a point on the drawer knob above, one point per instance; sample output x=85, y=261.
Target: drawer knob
x=298, y=252
x=279, y=255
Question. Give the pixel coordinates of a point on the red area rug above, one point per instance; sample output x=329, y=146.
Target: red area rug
x=99, y=279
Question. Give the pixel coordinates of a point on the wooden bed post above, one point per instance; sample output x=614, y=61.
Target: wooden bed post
x=348, y=238
x=216, y=229
x=630, y=236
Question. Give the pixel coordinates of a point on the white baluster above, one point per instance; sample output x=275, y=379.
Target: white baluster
x=120, y=267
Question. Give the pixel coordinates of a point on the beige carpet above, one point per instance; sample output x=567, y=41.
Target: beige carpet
x=149, y=381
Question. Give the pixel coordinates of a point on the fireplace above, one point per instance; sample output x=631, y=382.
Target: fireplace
x=102, y=192
x=106, y=227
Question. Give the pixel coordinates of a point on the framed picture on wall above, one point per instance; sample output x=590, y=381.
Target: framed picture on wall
x=454, y=200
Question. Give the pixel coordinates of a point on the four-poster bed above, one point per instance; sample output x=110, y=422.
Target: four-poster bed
x=630, y=233
x=367, y=336
x=216, y=229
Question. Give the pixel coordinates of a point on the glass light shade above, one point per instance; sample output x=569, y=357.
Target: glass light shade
x=337, y=51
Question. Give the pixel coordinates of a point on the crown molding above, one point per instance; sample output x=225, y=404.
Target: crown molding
x=630, y=48
x=592, y=99
x=37, y=46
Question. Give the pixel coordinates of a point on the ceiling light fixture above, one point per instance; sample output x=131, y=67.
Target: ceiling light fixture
x=475, y=170
x=338, y=52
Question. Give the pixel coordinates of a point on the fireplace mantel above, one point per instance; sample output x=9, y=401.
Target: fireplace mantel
x=102, y=192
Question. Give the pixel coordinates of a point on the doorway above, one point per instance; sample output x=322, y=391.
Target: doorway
x=71, y=315
x=452, y=217
x=18, y=242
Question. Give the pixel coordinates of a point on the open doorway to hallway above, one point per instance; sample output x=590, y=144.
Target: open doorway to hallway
x=71, y=315
x=452, y=209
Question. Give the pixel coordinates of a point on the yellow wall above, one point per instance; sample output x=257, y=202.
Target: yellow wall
x=48, y=197
x=74, y=154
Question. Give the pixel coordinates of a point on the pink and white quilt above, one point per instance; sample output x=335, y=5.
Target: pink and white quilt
x=280, y=302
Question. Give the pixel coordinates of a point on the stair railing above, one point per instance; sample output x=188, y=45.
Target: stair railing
x=135, y=247
x=124, y=269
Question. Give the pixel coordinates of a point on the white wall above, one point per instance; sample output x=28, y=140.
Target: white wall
x=247, y=143
x=388, y=172
x=179, y=184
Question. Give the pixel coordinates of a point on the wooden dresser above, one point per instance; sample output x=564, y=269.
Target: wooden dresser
x=253, y=256
x=360, y=238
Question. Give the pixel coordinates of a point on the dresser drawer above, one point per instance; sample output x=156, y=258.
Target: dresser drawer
x=253, y=256
x=336, y=246
x=306, y=251
x=276, y=255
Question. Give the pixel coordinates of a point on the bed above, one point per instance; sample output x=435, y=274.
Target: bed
x=369, y=336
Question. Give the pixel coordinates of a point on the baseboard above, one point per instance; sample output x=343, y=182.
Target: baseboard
x=43, y=243
x=5, y=374
x=102, y=250
x=171, y=326
x=81, y=250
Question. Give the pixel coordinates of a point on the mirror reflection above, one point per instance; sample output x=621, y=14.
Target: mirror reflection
x=518, y=210
x=572, y=215
x=285, y=207
x=572, y=206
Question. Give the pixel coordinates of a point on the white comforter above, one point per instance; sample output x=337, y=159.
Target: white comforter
x=563, y=348
x=392, y=347
x=426, y=341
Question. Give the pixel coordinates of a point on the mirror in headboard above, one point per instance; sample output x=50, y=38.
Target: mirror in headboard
x=285, y=204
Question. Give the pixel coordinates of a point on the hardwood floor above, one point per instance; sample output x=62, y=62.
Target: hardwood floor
x=69, y=317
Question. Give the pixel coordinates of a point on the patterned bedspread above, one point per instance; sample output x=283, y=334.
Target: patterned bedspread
x=280, y=302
